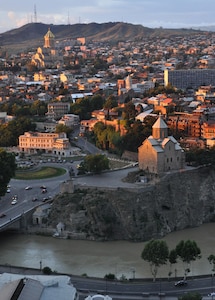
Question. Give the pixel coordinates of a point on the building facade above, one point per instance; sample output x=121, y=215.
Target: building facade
x=183, y=79
x=51, y=143
x=57, y=110
x=160, y=153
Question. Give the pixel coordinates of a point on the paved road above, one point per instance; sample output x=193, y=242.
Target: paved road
x=24, y=197
x=128, y=290
x=112, y=179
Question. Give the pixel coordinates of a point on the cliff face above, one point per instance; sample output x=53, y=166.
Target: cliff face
x=175, y=202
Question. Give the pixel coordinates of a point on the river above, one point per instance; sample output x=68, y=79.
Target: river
x=100, y=258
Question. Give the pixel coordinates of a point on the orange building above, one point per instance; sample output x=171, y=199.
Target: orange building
x=208, y=129
x=53, y=143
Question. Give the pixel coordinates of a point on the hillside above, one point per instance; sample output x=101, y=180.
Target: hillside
x=178, y=201
x=33, y=33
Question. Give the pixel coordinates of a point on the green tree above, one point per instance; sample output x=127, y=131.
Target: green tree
x=63, y=128
x=110, y=102
x=7, y=169
x=172, y=260
x=211, y=259
x=95, y=163
x=129, y=112
x=47, y=271
x=155, y=252
x=188, y=251
x=190, y=296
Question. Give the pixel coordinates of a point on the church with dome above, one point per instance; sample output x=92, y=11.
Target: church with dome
x=160, y=153
x=47, y=56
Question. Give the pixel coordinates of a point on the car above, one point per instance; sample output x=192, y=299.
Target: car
x=45, y=199
x=34, y=199
x=44, y=191
x=181, y=283
x=43, y=187
x=2, y=215
x=211, y=294
x=8, y=190
x=28, y=188
x=14, y=201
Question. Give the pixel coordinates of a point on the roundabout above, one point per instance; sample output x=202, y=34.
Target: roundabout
x=40, y=173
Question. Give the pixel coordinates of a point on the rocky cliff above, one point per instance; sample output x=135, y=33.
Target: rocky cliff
x=176, y=201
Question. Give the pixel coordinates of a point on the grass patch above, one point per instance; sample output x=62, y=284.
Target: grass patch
x=44, y=172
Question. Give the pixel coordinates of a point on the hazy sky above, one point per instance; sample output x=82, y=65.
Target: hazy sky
x=149, y=13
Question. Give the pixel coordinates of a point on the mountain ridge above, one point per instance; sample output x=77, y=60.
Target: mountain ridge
x=33, y=33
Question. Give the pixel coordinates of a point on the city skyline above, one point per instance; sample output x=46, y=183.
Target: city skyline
x=149, y=13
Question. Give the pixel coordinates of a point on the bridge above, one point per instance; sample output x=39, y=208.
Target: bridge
x=19, y=221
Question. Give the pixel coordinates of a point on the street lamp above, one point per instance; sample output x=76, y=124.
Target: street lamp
x=133, y=272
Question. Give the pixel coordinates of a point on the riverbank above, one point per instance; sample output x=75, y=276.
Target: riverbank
x=96, y=259
x=32, y=271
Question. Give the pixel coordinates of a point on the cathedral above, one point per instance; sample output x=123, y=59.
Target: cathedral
x=47, y=56
x=160, y=153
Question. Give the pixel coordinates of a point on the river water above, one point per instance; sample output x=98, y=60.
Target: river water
x=100, y=258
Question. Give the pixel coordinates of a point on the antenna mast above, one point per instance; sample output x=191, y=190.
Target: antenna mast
x=35, y=14
x=68, y=19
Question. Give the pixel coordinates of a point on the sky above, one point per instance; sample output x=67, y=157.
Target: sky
x=149, y=13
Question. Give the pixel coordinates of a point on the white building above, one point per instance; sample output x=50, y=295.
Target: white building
x=98, y=297
x=69, y=120
x=36, y=287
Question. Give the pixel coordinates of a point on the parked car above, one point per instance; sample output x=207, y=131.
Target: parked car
x=211, y=294
x=14, y=201
x=28, y=188
x=8, y=190
x=44, y=191
x=34, y=199
x=43, y=187
x=2, y=215
x=45, y=199
x=181, y=283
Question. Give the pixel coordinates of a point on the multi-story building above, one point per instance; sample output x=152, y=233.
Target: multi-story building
x=53, y=143
x=188, y=124
x=57, y=110
x=208, y=129
x=69, y=120
x=194, y=78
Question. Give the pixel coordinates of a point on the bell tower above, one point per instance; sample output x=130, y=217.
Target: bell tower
x=49, y=39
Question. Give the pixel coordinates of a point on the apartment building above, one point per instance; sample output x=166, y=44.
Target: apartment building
x=69, y=120
x=57, y=110
x=189, y=124
x=192, y=78
x=208, y=129
x=53, y=143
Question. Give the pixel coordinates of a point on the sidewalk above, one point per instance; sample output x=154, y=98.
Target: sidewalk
x=19, y=270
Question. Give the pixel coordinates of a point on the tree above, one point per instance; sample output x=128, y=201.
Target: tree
x=211, y=259
x=95, y=163
x=63, y=128
x=7, y=169
x=156, y=252
x=172, y=260
x=47, y=271
x=188, y=251
x=110, y=102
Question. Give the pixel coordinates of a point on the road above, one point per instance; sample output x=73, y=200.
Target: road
x=24, y=197
x=138, y=290
x=130, y=290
